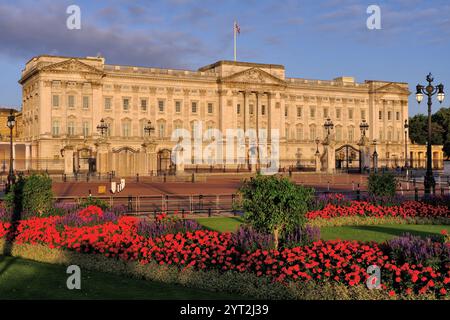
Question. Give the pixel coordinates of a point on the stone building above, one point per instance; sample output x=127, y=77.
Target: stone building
x=65, y=99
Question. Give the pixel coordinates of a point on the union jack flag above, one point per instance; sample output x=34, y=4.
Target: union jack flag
x=237, y=28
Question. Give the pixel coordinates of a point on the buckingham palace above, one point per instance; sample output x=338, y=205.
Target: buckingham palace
x=83, y=115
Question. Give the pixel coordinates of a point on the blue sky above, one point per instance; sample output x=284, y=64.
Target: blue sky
x=320, y=39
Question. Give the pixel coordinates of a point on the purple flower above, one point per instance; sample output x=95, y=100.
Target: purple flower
x=246, y=238
x=301, y=236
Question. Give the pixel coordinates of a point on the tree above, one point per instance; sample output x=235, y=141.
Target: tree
x=418, y=130
x=274, y=204
x=442, y=117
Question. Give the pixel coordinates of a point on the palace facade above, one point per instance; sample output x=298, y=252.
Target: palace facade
x=66, y=98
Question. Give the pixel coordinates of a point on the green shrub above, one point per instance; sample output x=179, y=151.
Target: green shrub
x=91, y=201
x=274, y=204
x=37, y=194
x=382, y=185
x=32, y=195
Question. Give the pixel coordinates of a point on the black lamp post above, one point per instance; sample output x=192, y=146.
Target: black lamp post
x=11, y=177
x=149, y=128
x=406, y=126
x=102, y=127
x=328, y=126
x=429, y=90
x=364, y=126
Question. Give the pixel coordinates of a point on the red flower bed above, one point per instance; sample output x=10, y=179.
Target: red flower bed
x=367, y=209
x=341, y=261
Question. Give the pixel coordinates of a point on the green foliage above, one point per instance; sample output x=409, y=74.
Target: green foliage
x=13, y=199
x=274, y=204
x=37, y=194
x=90, y=201
x=418, y=130
x=382, y=185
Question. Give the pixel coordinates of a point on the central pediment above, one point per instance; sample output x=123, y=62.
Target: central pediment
x=72, y=65
x=253, y=75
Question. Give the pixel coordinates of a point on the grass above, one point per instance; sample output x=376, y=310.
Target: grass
x=26, y=279
x=221, y=224
x=378, y=233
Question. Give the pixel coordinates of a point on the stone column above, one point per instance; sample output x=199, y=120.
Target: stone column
x=364, y=153
x=318, y=163
x=329, y=154
x=149, y=159
x=68, y=159
x=102, y=157
x=27, y=156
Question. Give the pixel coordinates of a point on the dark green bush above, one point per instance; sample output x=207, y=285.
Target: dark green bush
x=32, y=195
x=382, y=185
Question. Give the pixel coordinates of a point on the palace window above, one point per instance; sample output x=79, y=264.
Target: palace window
x=126, y=129
x=380, y=115
x=263, y=110
x=144, y=103
x=55, y=101
x=325, y=112
x=85, y=127
x=108, y=104
x=312, y=132
x=177, y=106
x=161, y=105
x=299, y=112
x=250, y=109
x=350, y=134
x=338, y=113
x=71, y=128
x=350, y=114
x=286, y=111
x=299, y=133
x=286, y=132
x=85, y=102
x=238, y=109
x=397, y=116
x=126, y=104
x=389, y=115
x=71, y=101
x=162, y=130
x=363, y=114
x=194, y=107
x=338, y=133
x=210, y=108
x=55, y=127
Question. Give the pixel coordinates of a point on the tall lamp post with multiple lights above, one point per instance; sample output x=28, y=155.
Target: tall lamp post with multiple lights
x=430, y=90
x=11, y=122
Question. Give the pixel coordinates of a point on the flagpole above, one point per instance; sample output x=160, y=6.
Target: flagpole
x=234, y=30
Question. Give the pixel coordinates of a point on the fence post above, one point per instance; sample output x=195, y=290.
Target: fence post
x=433, y=186
x=209, y=212
x=182, y=213
x=200, y=202
x=164, y=177
x=137, y=177
x=154, y=214
x=167, y=203
x=193, y=177
x=358, y=193
x=87, y=177
x=442, y=191
x=232, y=204
x=416, y=194
x=64, y=177
x=130, y=203
x=217, y=204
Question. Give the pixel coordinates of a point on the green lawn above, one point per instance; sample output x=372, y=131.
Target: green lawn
x=25, y=279
x=377, y=233
x=222, y=224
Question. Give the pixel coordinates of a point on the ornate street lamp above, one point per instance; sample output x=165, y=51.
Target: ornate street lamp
x=102, y=127
x=149, y=129
x=317, y=146
x=328, y=126
x=11, y=122
x=364, y=126
x=406, y=126
x=429, y=90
